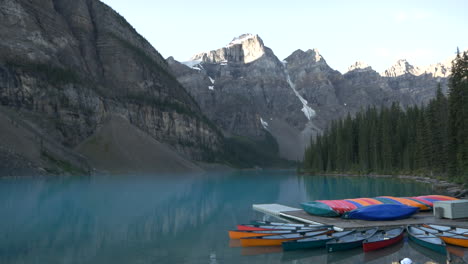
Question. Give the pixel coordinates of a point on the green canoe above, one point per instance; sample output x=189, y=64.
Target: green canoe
x=313, y=242
x=318, y=208
x=426, y=239
x=352, y=240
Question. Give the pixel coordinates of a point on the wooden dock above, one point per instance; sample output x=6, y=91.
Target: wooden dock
x=300, y=215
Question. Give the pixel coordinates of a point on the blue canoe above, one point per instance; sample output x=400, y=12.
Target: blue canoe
x=381, y=212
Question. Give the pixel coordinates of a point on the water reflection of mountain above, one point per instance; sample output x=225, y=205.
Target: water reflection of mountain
x=130, y=219
x=88, y=217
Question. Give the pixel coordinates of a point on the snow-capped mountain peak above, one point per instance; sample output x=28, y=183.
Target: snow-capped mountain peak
x=245, y=48
x=402, y=67
x=240, y=39
x=359, y=66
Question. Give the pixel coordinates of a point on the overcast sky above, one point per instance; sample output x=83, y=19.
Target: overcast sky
x=376, y=32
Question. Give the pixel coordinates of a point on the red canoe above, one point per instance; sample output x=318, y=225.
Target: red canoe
x=383, y=238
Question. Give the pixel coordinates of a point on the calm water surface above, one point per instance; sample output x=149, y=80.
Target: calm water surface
x=175, y=219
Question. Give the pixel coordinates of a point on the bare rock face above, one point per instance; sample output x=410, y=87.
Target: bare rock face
x=359, y=66
x=245, y=48
x=244, y=89
x=400, y=68
x=247, y=91
x=72, y=63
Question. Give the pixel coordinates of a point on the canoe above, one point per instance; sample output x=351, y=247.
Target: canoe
x=253, y=227
x=327, y=208
x=313, y=242
x=256, y=222
x=238, y=234
x=426, y=239
x=435, y=256
x=448, y=237
x=454, y=239
x=452, y=229
x=409, y=201
x=381, y=212
x=372, y=256
x=276, y=240
x=383, y=238
x=331, y=208
x=352, y=240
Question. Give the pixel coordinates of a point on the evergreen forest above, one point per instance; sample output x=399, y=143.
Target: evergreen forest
x=430, y=139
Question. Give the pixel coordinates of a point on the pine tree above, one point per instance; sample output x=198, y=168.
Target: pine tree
x=419, y=140
x=458, y=119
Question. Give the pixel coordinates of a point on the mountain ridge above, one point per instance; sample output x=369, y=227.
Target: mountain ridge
x=321, y=93
x=66, y=66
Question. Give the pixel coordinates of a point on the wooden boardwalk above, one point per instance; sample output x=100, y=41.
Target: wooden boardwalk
x=301, y=216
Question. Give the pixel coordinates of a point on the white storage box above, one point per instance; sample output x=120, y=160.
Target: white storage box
x=451, y=209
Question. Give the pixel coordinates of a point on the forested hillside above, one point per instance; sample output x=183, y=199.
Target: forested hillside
x=429, y=139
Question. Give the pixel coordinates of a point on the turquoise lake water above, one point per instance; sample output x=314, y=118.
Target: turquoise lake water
x=175, y=219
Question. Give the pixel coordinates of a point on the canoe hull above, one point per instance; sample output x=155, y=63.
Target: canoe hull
x=318, y=241
x=381, y=244
x=381, y=212
x=303, y=245
x=330, y=208
x=251, y=228
x=243, y=234
x=257, y=222
x=350, y=241
x=318, y=208
x=263, y=242
x=343, y=246
x=438, y=248
x=456, y=241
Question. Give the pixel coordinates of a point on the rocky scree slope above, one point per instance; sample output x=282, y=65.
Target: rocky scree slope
x=67, y=65
x=246, y=90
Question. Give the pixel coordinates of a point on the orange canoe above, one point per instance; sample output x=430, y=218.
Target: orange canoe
x=448, y=237
x=409, y=202
x=457, y=240
x=276, y=240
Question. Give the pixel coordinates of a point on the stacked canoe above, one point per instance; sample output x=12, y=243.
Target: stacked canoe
x=304, y=236
x=330, y=208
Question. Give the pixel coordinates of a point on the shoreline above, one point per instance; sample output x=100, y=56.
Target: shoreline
x=449, y=188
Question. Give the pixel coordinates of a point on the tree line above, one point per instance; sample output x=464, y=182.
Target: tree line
x=429, y=139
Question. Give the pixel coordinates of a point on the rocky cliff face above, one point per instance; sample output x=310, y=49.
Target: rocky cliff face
x=247, y=91
x=68, y=64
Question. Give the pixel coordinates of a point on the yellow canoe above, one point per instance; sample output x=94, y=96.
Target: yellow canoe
x=457, y=240
x=276, y=240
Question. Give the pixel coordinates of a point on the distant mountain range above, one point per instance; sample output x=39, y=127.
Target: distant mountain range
x=81, y=90
x=246, y=90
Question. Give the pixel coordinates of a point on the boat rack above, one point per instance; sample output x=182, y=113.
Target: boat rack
x=298, y=215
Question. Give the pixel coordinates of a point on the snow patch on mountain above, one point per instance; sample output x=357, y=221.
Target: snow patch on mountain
x=194, y=64
x=240, y=39
x=264, y=123
x=306, y=109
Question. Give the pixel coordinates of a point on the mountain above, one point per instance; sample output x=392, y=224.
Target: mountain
x=244, y=89
x=247, y=91
x=67, y=67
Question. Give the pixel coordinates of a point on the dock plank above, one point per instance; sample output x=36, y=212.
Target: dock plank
x=273, y=209
x=419, y=218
